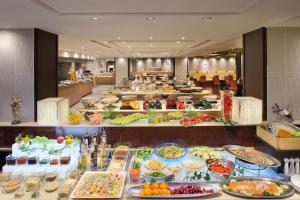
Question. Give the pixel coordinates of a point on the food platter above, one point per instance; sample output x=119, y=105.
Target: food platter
x=204, y=152
x=215, y=188
x=89, y=185
x=250, y=155
x=170, y=151
x=269, y=188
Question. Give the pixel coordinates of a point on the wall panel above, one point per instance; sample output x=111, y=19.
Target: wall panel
x=17, y=71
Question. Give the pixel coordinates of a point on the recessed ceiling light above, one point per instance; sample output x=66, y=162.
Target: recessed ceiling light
x=183, y=38
x=206, y=18
x=150, y=18
x=95, y=18
x=178, y=42
x=119, y=38
x=150, y=38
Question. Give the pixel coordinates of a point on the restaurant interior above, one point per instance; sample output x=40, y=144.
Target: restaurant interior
x=160, y=99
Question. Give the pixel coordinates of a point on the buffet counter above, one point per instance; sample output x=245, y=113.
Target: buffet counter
x=75, y=91
x=142, y=93
x=222, y=196
x=203, y=177
x=104, y=80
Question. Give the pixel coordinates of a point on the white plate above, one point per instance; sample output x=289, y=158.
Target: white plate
x=295, y=180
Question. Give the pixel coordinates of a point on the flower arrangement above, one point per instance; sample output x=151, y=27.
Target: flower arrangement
x=282, y=114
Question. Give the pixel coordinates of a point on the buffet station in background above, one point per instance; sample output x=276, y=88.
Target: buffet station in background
x=104, y=74
x=151, y=137
x=104, y=79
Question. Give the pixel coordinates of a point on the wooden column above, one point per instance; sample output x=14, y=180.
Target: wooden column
x=255, y=66
x=45, y=65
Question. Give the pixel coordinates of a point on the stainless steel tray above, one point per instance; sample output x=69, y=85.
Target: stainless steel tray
x=285, y=195
x=134, y=191
x=276, y=163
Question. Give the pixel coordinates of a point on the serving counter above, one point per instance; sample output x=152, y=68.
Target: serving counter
x=210, y=182
x=141, y=94
x=104, y=80
x=142, y=133
x=75, y=91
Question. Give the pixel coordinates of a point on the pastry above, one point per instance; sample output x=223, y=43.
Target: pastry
x=13, y=188
x=11, y=183
x=66, y=188
x=4, y=177
x=32, y=183
x=51, y=187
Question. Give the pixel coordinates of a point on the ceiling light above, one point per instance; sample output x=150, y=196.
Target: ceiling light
x=150, y=38
x=206, y=18
x=183, y=38
x=119, y=38
x=95, y=18
x=178, y=42
x=150, y=18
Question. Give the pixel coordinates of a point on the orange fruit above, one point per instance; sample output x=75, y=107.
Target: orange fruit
x=163, y=186
x=148, y=192
x=168, y=192
x=160, y=191
x=165, y=191
x=142, y=192
x=146, y=186
x=154, y=185
x=155, y=191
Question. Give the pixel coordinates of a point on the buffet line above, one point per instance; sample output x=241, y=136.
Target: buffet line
x=89, y=168
x=123, y=108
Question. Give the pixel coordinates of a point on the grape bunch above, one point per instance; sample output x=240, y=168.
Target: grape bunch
x=191, y=189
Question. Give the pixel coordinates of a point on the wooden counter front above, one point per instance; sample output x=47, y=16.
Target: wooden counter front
x=104, y=80
x=75, y=91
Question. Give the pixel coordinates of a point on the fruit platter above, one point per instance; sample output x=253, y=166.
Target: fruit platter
x=95, y=185
x=257, y=188
x=174, y=190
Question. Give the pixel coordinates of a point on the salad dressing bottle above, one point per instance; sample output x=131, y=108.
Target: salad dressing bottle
x=102, y=151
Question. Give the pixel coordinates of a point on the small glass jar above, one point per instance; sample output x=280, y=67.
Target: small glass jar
x=10, y=160
x=32, y=160
x=44, y=160
x=54, y=161
x=65, y=160
x=21, y=160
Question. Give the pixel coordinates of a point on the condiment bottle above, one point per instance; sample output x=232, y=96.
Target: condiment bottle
x=292, y=166
x=297, y=166
x=286, y=166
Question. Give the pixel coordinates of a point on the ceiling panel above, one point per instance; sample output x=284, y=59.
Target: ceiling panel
x=126, y=19
x=151, y=6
